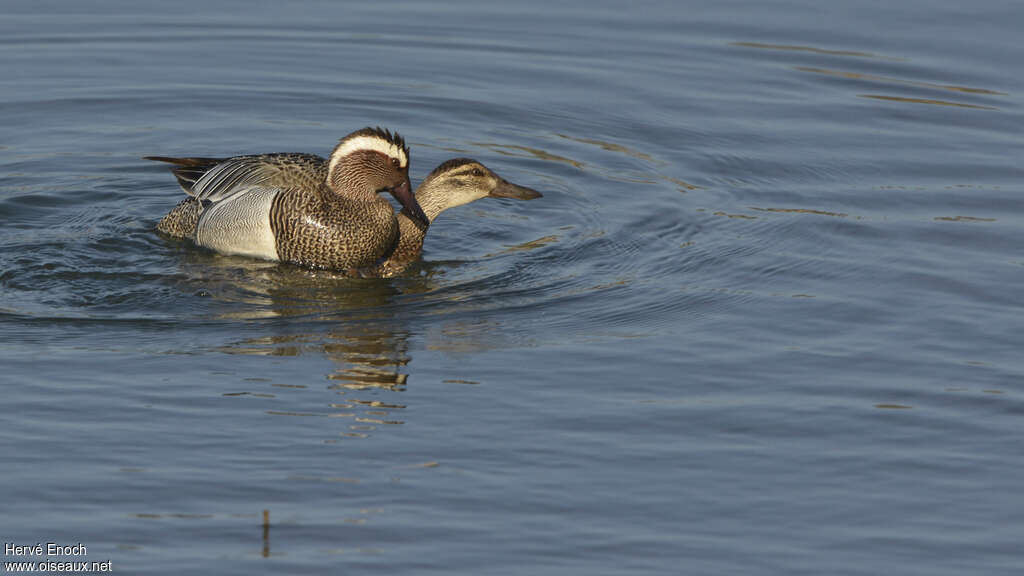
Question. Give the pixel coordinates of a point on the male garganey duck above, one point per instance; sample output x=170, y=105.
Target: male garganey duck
x=453, y=183
x=298, y=208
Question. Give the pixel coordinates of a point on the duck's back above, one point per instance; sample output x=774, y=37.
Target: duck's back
x=199, y=176
x=204, y=177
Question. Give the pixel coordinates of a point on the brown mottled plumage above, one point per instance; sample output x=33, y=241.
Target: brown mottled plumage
x=307, y=228
x=297, y=208
x=182, y=220
x=454, y=182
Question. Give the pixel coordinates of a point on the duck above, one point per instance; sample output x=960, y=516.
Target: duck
x=298, y=208
x=452, y=183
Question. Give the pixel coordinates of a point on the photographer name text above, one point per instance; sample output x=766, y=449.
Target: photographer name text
x=40, y=550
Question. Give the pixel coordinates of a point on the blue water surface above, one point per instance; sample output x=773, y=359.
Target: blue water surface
x=766, y=318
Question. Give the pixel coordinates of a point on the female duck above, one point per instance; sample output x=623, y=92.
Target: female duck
x=455, y=182
x=282, y=207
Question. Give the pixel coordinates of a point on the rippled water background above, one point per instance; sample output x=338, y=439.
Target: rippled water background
x=766, y=319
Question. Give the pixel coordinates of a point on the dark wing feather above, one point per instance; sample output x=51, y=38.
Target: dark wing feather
x=231, y=176
x=214, y=179
x=187, y=170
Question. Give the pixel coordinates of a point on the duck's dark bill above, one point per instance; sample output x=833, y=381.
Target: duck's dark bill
x=506, y=189
x=403, y=194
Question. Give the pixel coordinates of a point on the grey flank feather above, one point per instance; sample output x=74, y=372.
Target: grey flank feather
x=231, y=177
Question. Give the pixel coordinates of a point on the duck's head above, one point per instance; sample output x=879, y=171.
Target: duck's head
x=463, y=180
x=371, y=161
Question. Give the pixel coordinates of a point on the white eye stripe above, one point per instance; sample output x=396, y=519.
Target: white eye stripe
x=368, y=143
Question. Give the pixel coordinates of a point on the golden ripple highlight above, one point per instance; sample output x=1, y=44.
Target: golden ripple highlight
x=736, y=216
x=177, y=515
x=366, y=420
x=367, y=377
x=632, y=177
x=526, y=246
x=963, y=219
x=249, y=394
x=516, y=151
x=612, y=147
x=891, y=80
x=801, y=211
x=683, y=185
x=644, y=178
x=379, y=404
x=926, y=101
x=333, y=479
x=814, y=50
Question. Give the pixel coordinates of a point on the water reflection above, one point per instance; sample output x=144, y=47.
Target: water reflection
x=266, y=534
x=811, y=49
x=931, y=101
x=801, y=211
x=362, y=326
x=891, y=80
x=649, y=173
x=647, y=176
x=963, y=219
x=351, y=322
x=884, y=79
x=526, y=246
x=518, y=151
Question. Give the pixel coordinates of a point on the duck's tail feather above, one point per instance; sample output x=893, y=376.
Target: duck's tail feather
x=187, y=170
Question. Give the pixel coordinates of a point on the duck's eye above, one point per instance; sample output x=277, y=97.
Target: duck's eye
x=477, y=172
x=395, y=162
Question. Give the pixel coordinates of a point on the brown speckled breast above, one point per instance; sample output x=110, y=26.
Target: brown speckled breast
x=407, y=251
x=322, y=230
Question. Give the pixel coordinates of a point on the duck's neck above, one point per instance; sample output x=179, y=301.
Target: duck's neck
x=349, y=180
x=411, y=231
x=433, y=198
